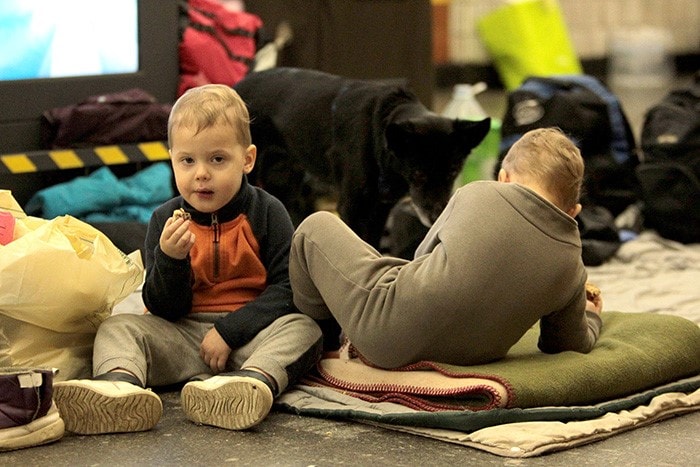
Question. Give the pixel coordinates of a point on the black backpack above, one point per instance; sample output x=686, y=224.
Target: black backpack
x=593, y=118
x=669, y=175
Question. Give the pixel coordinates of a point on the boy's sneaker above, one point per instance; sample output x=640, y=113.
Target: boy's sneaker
x=28, y=416
x=235, y=401
x=94, y=407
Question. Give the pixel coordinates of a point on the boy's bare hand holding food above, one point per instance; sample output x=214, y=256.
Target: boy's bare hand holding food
x=594, y=299
x=176, y=240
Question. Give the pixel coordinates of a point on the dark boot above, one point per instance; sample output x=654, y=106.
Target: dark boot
x=28, y=416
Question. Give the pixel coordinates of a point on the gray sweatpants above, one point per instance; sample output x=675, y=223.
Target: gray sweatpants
x=335, y=274
x=160, y=352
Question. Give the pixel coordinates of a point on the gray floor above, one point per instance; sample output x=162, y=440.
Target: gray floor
x=291, y=440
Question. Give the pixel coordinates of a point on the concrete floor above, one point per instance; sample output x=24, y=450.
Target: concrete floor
x=284, y=439
x=290, y=440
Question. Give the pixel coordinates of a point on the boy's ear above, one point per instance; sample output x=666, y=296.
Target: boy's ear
x=575, y=211
x=251, y=153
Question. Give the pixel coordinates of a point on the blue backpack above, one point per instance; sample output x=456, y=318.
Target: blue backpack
x=591, y=115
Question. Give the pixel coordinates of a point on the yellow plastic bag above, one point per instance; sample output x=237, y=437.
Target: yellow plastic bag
x=59, y=279
x=528, y=38
x=24, y=344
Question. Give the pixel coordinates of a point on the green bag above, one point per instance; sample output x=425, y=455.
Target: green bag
x=528, y=38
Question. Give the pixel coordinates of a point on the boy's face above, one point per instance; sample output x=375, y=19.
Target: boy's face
x=209, y=165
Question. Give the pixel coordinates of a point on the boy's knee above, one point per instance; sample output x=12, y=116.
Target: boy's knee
x=117, y=321
x=302, y=324
x=315, y=220
x=120, y=324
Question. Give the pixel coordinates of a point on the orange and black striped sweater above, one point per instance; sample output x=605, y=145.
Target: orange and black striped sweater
x=238, y=266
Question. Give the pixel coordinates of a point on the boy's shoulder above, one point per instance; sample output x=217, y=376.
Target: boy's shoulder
x=491, y=191
x=260, y=198
x=480, y=186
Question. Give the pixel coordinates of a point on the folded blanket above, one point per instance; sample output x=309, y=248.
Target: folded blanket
x=506, y=432
x=424, y=386
x=636, y=351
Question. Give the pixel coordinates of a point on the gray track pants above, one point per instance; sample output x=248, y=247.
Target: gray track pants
x=335, y=274
x=160, y=352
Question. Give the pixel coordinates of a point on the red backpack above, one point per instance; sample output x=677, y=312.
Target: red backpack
x=217, y=45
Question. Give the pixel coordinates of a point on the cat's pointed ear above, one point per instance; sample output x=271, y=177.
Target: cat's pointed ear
x=471, y=133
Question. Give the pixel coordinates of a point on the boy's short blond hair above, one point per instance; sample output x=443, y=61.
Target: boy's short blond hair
x=208, y=105
x=546, y=156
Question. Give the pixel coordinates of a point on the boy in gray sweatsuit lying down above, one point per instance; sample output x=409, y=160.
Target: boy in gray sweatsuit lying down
x=503, y=255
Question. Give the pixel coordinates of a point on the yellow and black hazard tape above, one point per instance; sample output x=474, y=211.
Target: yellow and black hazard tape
x=62, y=159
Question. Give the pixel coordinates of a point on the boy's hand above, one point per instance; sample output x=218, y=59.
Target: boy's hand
x=594, y=299
x=214, y=351
x=176, y=240
x=595, y=305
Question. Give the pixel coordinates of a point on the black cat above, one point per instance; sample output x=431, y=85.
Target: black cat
x=370, y=142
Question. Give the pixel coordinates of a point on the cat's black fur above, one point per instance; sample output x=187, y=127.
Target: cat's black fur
x=371, y=142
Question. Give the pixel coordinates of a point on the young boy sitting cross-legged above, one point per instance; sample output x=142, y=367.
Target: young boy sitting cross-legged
x=217, y=289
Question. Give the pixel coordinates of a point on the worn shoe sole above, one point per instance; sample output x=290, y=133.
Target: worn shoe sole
x=46, y=429
x=106, y=407
x=232, y=402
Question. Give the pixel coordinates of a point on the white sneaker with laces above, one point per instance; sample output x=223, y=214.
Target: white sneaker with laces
x=95, y=407
x=231, y=402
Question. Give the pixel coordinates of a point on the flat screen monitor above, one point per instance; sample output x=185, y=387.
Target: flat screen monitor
x=57, y=53
x=46, y=39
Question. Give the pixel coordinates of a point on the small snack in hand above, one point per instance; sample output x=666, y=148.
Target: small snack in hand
x=592, y=292
x=181, y=213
